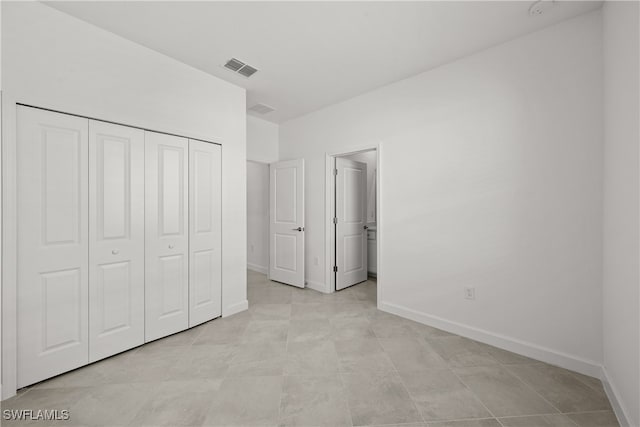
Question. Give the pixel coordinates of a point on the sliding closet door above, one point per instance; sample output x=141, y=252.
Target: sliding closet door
x=166, y=235
x=53, y=242
x=116, y=239
x=205, y=234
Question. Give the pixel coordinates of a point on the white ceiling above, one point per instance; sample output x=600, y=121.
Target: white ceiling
x=314, y=54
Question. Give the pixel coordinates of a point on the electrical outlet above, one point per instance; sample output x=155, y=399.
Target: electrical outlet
x=251, y=247
x=469, y=293
x=316, y=261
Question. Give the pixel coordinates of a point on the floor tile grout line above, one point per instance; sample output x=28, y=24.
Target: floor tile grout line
x=475, y=394
x=346, y=398
x=508, y=371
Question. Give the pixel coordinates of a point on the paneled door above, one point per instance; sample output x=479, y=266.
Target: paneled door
x=52, y=244
x=166, y=235
x=351, y=220
x=205, y=232
x=286, y=255
x=116, y=239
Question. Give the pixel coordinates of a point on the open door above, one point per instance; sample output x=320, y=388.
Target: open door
x=351, y=220
x=286, y=231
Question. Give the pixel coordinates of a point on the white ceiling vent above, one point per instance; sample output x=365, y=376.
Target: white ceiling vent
x=261, y=109
x=240, y=67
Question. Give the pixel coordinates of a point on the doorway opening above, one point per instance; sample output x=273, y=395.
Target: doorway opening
x=353, y=220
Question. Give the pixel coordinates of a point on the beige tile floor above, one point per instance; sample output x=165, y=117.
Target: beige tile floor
x=299, y=357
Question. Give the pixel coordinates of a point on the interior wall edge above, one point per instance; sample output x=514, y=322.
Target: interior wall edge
x=232, y=309
x=523, y=348
x=615, y=398
x=258, y=268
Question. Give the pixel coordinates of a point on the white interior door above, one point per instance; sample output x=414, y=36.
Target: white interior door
x=351, y=220
x=116, y=239
x=205, y=232
x=166, y=235
x=286, y=212
x=52, y=244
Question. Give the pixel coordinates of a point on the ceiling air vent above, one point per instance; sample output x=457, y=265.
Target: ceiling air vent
x=247, y=71
x=234, y=65
x=261, y=109
x=240, y=67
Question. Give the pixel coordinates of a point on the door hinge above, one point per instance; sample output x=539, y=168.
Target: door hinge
x=335, y=171
x=335, y=220
x=335, y=268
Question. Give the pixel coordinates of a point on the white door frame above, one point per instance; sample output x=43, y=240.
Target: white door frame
x=330, y=281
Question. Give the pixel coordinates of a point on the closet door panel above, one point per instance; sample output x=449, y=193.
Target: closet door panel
x=52, y=244
x=167, y=235
x=205, y=234
x=116, y=234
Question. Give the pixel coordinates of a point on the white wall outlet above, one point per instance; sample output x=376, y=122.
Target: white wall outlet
x=251, y=247
x=469, y=293
x=316, y=261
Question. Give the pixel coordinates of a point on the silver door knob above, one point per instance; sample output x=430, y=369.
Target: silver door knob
x=298, y=229
x=171, y=246
x=115, y=251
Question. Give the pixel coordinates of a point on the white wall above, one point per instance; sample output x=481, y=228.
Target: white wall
x=621, y=292
x=491, y=177
x=262, y=140
x=258, y=216
x=53, y=60
x=262, y=149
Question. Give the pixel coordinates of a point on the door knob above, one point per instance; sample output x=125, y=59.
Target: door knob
x=171, y=246
x=115, y=251
x=366, y=227
x=298, y=229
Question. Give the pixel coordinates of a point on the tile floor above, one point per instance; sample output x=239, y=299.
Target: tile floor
x=299, y=357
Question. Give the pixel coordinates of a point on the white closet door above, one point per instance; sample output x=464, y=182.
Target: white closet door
x=205, y=233
x=116, y=239
x=166, y=235
x=52, y=244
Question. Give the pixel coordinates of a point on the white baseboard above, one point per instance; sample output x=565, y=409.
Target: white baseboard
x=614, y=397
x=257, y=268
x=235, y=308
x=317, y=286
x=553, y=357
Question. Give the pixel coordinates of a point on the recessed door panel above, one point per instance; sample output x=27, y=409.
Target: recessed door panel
x=52, y=244
x=351, y=237
x=285, y=252
x=205, y=231
x=61, y=184
x=203, y=276
x=114, y=289
x=285, y=195
x=116, y=234
x=171, y=165
x=62, y=309
x=286, y=212
x=166, y=240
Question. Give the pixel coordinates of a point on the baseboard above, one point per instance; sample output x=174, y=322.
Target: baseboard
x=257, y=268
x=317, y=286
x=236, y=308
x=547, y=355
x=614, y=397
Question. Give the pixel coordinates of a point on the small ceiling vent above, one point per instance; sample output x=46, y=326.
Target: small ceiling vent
x=261, y=109
x=240, y=67
x=247, y=71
